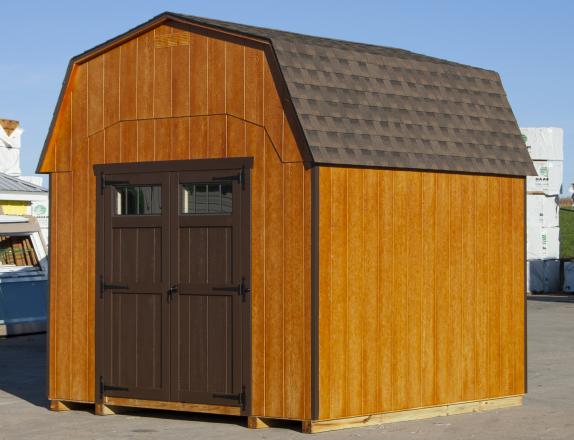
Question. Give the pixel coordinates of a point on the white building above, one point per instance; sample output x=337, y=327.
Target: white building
x=19, y=195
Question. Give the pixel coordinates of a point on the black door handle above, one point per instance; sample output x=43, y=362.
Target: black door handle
x=172, y=291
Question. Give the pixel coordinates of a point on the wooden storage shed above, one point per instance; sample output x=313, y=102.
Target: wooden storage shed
x=254, y=222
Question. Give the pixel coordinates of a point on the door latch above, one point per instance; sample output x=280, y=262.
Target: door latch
x=172, y=291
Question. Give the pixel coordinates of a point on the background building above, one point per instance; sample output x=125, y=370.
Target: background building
x=19, y=195
x=23, y=238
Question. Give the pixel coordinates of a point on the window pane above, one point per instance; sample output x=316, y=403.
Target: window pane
x=206, y=198
x=200, y=199
x=138, y=200
x=156, y=199
x=226, y=197
x=214, y=197
x=132, y=201
x=144, y=200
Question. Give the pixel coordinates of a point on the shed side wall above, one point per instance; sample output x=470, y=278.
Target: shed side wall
x=421, y=289
x=190, y=97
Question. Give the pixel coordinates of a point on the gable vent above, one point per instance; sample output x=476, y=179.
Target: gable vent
x=172, y=40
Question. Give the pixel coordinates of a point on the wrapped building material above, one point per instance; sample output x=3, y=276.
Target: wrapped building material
x=548, y=179
x=544, y=143
x=543, y=276
x=542, y=243
x=542, y=210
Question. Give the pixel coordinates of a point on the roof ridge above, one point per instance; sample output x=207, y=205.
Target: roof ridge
x=224, y=24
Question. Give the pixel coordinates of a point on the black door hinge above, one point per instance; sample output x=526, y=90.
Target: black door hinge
x=104, y=387
x=240, y=398
x=104, y=286
x=243, y=289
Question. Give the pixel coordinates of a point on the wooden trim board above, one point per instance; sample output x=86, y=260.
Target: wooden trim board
x=173, y=406
x=315, y=426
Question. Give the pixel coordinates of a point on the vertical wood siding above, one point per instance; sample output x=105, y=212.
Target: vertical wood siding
x=209, y=98
x=421, y=289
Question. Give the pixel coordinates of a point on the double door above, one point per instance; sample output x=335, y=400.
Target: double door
x=173, y=288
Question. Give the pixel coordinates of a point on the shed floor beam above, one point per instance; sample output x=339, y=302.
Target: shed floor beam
x=256, y=423
x=104, y=410
x=58, y=405
x=314, y=426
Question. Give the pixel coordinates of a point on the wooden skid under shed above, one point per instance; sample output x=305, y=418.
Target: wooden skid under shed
x=312, y=427
x=307, y=426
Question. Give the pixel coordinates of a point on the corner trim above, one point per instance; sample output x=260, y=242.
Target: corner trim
x=315, y=293
x=525, y=293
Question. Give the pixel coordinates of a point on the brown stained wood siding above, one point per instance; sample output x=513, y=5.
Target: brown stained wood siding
x=443, y=256
x=79, y=359
x=140, y=102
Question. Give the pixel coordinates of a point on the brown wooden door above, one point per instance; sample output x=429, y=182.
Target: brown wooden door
x=207, y=311
x=134, y=283
x=173, y=318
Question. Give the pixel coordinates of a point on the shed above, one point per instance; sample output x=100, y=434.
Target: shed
x=254, y=222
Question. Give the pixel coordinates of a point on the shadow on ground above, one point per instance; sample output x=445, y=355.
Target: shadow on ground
x=559, y=297
x=23, y=367
x=23, y=375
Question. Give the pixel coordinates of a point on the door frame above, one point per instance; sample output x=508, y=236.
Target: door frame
x=244, y=165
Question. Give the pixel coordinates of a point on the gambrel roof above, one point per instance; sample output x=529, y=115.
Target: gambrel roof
x=366, y=105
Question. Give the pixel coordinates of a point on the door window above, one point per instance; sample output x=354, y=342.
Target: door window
x=138, y=200
x=206, y=198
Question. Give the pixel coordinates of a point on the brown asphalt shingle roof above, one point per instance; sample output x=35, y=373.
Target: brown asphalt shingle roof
x=360, y=104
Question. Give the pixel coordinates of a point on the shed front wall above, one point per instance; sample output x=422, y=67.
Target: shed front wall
x=183, y=93
x=421, y=289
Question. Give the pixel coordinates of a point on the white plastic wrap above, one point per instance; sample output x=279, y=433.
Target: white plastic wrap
x=542, y=210
x=544, y=143
x=548, y=179
x=542, y=243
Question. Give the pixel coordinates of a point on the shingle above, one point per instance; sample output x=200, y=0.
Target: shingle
x=361, y=104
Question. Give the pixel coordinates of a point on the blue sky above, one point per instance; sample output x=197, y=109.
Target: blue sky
x=530, y=43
